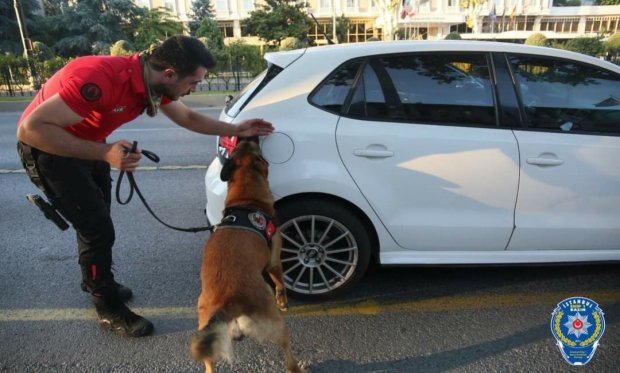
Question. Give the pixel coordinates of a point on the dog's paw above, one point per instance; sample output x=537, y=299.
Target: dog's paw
x=299, y=368
x=282, y=300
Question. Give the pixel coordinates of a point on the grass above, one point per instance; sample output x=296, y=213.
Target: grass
x=16, y=98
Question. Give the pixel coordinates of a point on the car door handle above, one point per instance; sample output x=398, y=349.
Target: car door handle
x=373, y=153
x=544, y=161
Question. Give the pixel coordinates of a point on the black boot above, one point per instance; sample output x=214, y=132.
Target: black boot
x=114, y=315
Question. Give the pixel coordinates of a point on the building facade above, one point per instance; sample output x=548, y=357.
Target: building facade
x=428, y=19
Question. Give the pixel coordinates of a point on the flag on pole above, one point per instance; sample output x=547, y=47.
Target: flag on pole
x=513, y=12
x=492, y=13
x=524, y=9
x=407, y=9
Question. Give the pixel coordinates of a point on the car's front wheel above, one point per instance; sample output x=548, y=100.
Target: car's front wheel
x=325, y=248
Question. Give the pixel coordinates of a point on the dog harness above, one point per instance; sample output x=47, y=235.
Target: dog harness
x=251, y=219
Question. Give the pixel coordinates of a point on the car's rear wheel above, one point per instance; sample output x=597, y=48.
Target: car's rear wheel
x=325, y=248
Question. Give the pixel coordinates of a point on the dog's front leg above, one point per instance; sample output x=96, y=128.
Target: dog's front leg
x=209, y=366
x=275, y=271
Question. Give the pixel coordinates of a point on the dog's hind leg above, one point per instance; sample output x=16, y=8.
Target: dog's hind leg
x=292, y=365
x=275, y=271
x=270, y=326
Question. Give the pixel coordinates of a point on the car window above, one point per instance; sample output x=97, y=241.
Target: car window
x=234, y=106
x=567, y=96
x=453, y=89
x=332, y=93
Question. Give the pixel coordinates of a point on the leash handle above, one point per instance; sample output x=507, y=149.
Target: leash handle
x=133, y=186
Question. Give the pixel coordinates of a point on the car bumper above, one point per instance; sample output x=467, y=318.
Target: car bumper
x=216, y=191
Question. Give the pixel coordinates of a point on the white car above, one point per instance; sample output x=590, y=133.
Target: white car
x=446, y=152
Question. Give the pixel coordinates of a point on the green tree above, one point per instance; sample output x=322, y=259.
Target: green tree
x=211, y=32
x=612, y=45
x=101, y=48
x=41, y=51
x=10, y=38
x=84, y=22
x=122, y=48
x=342, y=29
x=453, y=36
x=154, y=26
x=201, y=9
x=278, y=19
x=537, y=39
x=290, y=43
x=590, y=46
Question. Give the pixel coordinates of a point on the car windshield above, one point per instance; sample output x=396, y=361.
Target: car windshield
x=234, y=106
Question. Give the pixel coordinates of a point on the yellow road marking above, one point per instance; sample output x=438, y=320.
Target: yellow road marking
x=366, y=307
x=451, y=303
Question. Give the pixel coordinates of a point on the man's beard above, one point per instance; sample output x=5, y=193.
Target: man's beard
x=165, y=90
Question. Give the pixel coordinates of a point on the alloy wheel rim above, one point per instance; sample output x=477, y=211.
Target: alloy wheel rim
x=319, y=254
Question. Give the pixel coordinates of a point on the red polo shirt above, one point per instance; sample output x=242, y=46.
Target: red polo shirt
x=106, y=91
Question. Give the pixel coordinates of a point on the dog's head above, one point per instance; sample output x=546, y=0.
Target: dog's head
x=246, y=154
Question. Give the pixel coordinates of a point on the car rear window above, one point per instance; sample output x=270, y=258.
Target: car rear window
x=234, y=106
x=332, y=93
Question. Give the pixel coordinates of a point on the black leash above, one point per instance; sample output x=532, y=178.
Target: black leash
x=133, y=186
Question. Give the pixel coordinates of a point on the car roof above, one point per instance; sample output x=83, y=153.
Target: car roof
x=343, y=52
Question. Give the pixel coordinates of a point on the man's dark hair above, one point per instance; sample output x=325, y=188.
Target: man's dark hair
x=182, y=53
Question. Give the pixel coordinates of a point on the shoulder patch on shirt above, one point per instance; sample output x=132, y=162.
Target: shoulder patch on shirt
x=91, y=92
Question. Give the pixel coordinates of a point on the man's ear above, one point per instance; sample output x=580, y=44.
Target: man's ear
x=169, y=73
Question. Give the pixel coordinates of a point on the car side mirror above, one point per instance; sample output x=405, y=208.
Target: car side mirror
x=228, y=99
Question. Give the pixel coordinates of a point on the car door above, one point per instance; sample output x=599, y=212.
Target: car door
x=569, y=193
x=422, y=142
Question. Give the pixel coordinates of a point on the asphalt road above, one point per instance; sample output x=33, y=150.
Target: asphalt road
x=420, y=319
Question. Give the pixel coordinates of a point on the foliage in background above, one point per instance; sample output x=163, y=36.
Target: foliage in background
x=589, y=46
x=537, y=39
x=10, y=40
x=153, y=26
x=278, y=19
x=290, y=44
x=122, y=48
x=202, y=10
x=612, y=45
x=84, y=22
x=342, y=29
x=210, y=31
x=453, y=36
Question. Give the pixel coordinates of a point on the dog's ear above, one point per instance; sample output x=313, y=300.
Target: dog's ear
x=227, y=169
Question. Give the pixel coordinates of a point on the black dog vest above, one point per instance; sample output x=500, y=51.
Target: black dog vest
x=251, y=219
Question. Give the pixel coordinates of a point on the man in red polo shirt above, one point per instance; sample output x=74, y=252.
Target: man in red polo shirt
x=61, y=141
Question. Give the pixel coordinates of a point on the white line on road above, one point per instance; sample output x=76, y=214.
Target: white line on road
x=146, y=168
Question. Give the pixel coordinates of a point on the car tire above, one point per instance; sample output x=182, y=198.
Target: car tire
x=325, y=248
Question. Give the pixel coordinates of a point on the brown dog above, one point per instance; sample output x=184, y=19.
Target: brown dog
x=235, y=300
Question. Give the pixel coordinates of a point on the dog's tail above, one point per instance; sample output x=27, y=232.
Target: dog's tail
x=213, y=341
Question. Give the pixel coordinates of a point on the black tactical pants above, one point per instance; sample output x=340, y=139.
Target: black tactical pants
x=81, y=191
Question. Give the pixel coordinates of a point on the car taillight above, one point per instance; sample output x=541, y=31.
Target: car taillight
x=226, y=146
